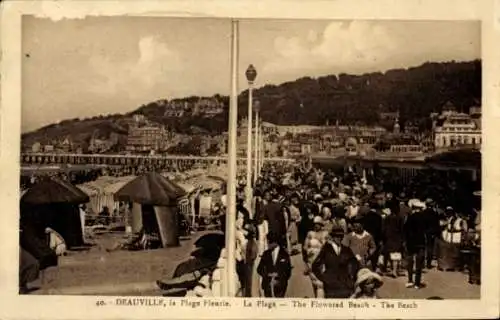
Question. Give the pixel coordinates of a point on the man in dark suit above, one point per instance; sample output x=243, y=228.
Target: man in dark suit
x=275, y=268
x=372, y=223
x=336, y=266
x=433, y=231
x=415, y=229
x=271, y=211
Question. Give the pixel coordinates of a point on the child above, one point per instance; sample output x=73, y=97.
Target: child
x=367, y=284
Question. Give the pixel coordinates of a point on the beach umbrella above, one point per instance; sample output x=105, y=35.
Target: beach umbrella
x=151, y=189
x=53, y=190
x=211, y=240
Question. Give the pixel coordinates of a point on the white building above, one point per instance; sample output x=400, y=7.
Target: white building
x=458, y=129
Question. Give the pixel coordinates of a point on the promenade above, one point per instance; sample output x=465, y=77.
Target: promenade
x=447, y=285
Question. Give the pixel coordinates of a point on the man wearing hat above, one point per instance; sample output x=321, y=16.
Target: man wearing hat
x=403, y=210
x=272, y=213
x=336, y=266
x=431, y=217
x=414, y=231
x=372, y=223
x=318, y=200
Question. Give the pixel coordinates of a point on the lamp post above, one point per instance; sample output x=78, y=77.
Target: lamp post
x=257, y=149
x=230, y=287
x=251, y=74
x=261, y=150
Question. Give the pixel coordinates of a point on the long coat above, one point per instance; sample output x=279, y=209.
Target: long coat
x=274, y=216
x=336, y=272
x=392, y=231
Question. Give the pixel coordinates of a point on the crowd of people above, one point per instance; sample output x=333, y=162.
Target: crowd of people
x=352, y=229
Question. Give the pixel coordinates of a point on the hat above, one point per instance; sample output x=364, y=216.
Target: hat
x=318, y=197
x=386, y=211
x=251, y=229
x=416, y=204
x=337, y=231
x=449, y=208
x=366, y=274
x=317, y=220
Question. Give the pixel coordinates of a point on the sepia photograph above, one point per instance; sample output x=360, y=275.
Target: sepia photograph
x=185, y=160
x=357, y=168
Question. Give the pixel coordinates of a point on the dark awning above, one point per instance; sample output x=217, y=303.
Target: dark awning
x=151, y=188
x=53, y=190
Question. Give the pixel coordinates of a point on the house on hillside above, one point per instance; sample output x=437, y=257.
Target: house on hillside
x=100, y=145
x=147, y=138
x=65, y=145
x=48, y=148
x=209, y=107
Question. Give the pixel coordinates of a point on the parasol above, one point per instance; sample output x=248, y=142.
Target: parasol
x=151, y=189
x=211, y=240
x=53, y=190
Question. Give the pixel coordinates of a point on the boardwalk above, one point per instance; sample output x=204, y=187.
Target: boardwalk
x=447, y=285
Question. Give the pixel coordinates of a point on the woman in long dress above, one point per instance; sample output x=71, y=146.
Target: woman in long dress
x=295, y=219
x=313, y=243
x=452, y=235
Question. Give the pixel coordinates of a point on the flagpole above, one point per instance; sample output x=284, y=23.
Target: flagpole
x=232, y=164
x=251, y=74
x=256, y=156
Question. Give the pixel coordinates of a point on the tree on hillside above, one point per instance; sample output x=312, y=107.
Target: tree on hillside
x=345, y=98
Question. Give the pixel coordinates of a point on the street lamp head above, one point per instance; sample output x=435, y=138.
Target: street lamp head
x=251, y=73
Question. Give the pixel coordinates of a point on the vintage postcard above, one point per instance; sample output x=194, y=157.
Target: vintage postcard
x=249, y=159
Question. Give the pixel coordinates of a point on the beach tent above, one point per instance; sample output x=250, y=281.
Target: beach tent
x=53, y=203
x=155, y=201
x=93, y=194
x=101, y=192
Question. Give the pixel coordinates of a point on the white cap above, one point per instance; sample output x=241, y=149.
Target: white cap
x=318, y=219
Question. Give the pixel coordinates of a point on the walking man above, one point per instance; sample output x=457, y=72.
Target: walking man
x=336, y=267
x=275, y=268
x=414, y=235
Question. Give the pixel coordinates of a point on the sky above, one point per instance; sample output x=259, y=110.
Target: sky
x=77, y=68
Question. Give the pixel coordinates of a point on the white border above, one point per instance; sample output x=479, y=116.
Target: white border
x=71, y=307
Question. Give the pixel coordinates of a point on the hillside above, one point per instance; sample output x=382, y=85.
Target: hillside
x=350, y=99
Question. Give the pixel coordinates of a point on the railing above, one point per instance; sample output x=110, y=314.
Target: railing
x=135, y=156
